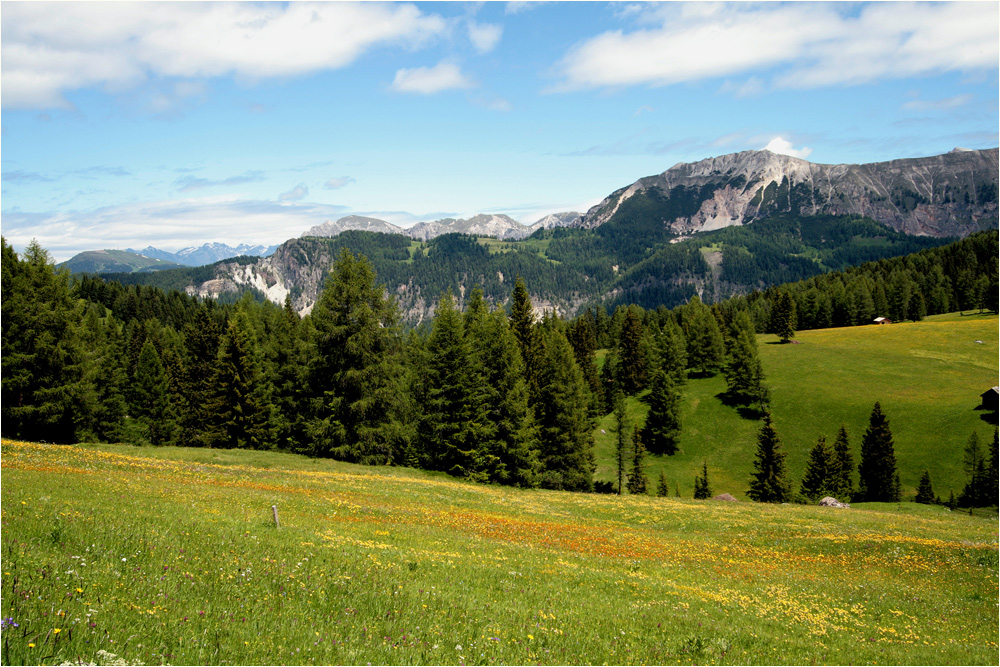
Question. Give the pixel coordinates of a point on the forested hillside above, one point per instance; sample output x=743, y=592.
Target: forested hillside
x=631, y=259
x=483, y=393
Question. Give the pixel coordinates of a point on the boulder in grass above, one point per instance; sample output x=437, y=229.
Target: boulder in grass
x=833, y=502
x=726, y=497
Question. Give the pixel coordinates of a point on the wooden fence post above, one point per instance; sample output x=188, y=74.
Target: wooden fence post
x=274, y=509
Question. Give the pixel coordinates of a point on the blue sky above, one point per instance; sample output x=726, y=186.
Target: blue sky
x=129, y=124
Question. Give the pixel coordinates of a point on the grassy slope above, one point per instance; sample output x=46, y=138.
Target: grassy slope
x=926, y=375
x=169, y=555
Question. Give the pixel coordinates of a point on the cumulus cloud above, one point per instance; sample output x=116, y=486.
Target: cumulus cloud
x=337, y=182
x=298, y=193
x=784, y=147
x=430, y=80
x=169, y=225
x=802, y=45
x=484, y=36
x=49, y=49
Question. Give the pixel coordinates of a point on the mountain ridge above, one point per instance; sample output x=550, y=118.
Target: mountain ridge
x=952, y=194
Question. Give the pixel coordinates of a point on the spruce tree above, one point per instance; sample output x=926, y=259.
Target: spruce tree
x=637, y=481
x=582, y=337
x=151, y=382
x=662, y=488
x=977, y=489
x=452, y=423
x=705, y=348
x=242, y=409
x=662, y=429
x=508, y=451
x=623, y=435
x=743, y=369
x=769, y=483
x=820, y=472
x=562, y=412
x=522, y=322
x=43, y=380
x=671, y=350
x=356, y=376
x=783, y=316
x=877, y=469
x=925, y=492
x=702, y=489
x=631, y=354
x=842, y=487
x=994, y=469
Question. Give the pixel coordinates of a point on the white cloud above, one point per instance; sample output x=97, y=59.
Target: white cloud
x=169, y=225
x=809, y=44
x=298, y=193
x=784, y=147
x=337, y=182
x=49, y=49
x=938, y=105
x=484, y=36
x=429, y=80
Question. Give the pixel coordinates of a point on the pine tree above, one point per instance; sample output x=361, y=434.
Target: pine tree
x=662, y=488
x=241, y=407
x=509, y=455
x=662, y=429
x=744, y=370
x=582, y=337
x=671, y=349
x=637, y=481
x=702, y=489
x=631, y=354
x=151, y=383
x=705, y=349
x=820, y=472
x=522, y=322
x=842, y=487
x=623, y=434
x=565, y=430
x=356, y=376
x=977, y=490
x=42, y=381
x=877, y=469
x=783, y=317
x=770, y=482
x=994, y=469
x=452, y=423
x=925, y=492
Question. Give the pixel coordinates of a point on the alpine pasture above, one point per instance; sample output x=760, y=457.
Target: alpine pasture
x=171, y=555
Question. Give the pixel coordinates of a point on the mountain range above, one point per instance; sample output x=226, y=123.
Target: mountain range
x=502, y=227
x=718, y=227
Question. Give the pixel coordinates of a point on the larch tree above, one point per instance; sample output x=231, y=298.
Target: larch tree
x=783, y=316
x=743, y=368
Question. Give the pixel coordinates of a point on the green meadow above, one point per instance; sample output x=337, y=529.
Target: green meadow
x=149, y=556
x=114, y=554
x=927, y=376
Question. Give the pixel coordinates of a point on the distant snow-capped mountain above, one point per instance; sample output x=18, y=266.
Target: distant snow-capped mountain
x=206, y=254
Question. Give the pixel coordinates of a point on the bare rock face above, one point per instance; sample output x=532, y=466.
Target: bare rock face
x=833, y=502
x=954, y=194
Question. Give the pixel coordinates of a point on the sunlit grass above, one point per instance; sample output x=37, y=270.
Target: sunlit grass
x=171, y=555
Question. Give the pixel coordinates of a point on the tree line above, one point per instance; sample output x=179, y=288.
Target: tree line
x=483, y=392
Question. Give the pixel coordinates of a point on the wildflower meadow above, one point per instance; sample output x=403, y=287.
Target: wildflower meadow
x=171, y=555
